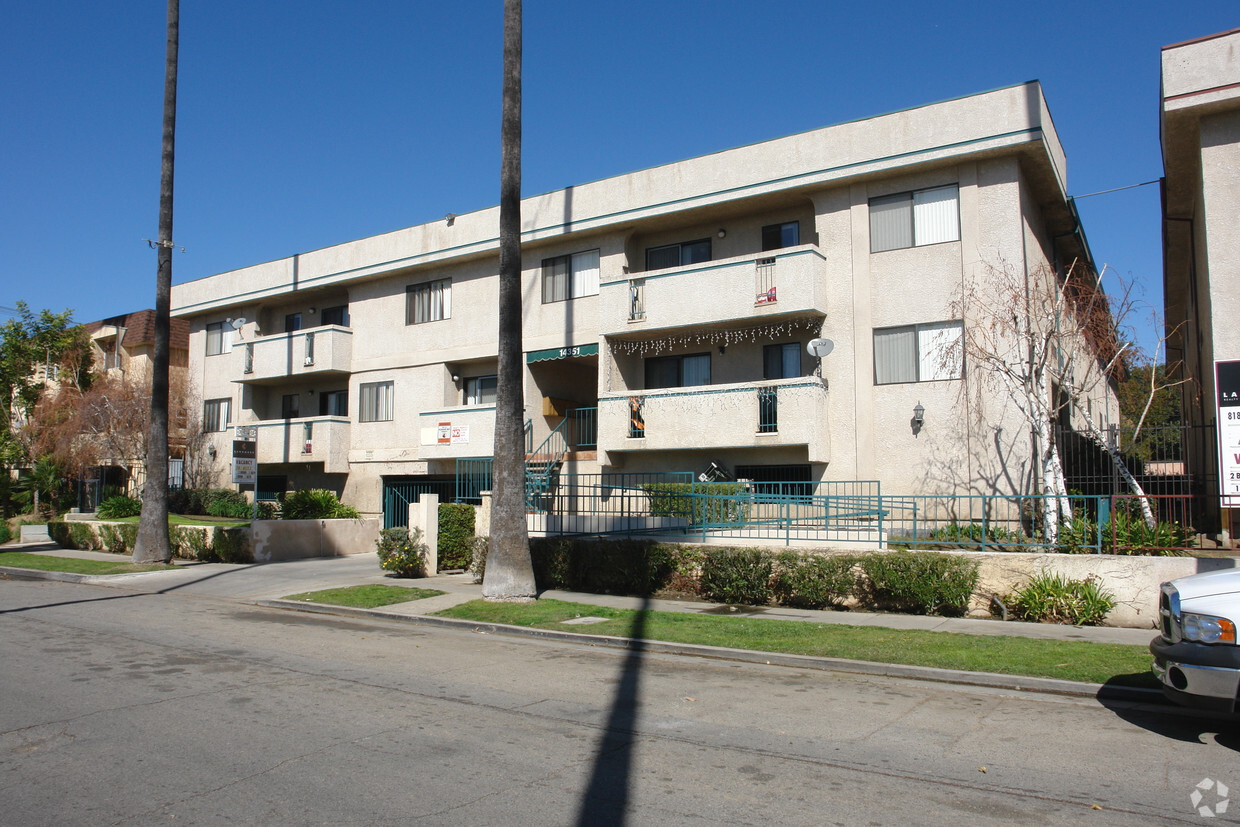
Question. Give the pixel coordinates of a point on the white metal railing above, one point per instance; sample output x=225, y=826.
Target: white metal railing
x=764, y=272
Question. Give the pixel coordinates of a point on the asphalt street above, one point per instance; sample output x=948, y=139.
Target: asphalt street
x=133, y=707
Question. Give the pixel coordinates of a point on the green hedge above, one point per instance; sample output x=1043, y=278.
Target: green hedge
x=456, y=534
x=316, y=504
x=698, y=502
x=114, y=508
x=920, y=582
x=811, y=581
x=732, y=575
x=615, y=567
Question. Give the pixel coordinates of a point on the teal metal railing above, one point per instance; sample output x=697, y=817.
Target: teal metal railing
x=584, y=428
x=768, y=411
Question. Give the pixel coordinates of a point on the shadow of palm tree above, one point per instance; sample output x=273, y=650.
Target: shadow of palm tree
x=608, y=793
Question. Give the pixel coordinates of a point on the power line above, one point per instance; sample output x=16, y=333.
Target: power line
x=1117, y=189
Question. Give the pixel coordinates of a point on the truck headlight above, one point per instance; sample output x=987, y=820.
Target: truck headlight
x=1208, y=629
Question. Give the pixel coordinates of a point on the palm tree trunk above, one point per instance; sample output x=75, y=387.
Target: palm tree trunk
x=152, y=545
x=509, y=574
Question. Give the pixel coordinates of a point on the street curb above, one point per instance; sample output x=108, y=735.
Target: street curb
x=990, y=680
x=59, y=576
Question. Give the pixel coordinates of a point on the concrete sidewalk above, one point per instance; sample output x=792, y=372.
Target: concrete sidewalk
x=272, y=581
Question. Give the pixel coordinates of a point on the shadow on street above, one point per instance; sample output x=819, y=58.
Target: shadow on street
x=607, y=795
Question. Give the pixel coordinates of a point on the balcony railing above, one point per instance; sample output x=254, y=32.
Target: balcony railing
x=790, y=281
x=757, y=414
x=322, y=439
x=321, y=351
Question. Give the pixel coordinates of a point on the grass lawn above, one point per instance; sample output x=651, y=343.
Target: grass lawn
x=1068, y=660
x=181, y=519
x=365, y=597
x=44, y=562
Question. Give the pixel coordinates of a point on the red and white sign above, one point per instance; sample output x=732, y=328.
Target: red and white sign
x=449, y=434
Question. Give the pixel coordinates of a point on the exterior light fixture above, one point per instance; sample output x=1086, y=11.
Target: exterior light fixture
x=211, y=451
x=919, y=415
x=722, y=232
x=450, y=218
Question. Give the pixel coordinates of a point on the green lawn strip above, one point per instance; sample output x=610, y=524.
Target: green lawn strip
x=365, y=597
x=76, y=565
x=1067, y=660
x=181, y=519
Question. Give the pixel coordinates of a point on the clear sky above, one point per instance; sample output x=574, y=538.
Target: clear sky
x=302, y=125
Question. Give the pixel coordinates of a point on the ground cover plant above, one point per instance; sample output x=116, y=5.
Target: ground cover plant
x=1053, y=598
x=316, y=504
x=1067, y=660
x=365, y=597
x=46, y=562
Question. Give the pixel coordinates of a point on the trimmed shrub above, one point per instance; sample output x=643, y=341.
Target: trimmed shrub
x=616, y=567
x=478, y=548
x=73, y=535
x=402, y=552
x=229, y=545
x=456, y=530
x=316, y=504
x=114, y=508
x=813, y=581
x=918, y=582
x=6, y=533
x=118, y=538
x=737, y=575
x=698, y=502
x=1052, y=598
x=189, y=543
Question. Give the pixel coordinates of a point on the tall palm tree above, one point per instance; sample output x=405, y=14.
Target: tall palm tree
x=509, y=574
x=152, y=545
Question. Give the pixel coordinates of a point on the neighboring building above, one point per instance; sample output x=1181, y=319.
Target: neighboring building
x=123, y=348
x=1201, y=230
x=666, y=318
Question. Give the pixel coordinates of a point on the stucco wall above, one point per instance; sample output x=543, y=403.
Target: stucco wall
x=295, y=539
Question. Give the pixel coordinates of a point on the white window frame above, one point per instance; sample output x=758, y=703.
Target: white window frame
x=925, y=347
x=435, y=307
x=223, y=336
x=931, y=216
x=570, y=276
x=376, y=401
x=216, y=415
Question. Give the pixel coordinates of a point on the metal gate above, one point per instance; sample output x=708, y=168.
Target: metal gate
x=399, y=493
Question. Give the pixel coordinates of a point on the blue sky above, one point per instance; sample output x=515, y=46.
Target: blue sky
x=302, y=125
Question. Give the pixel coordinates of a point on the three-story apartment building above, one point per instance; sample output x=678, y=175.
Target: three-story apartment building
x=667, y=314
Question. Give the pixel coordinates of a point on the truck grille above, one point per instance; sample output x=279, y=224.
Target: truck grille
x=1169, y=613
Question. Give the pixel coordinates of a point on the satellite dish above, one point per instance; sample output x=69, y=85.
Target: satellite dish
x=819, y=348
x=237, y=324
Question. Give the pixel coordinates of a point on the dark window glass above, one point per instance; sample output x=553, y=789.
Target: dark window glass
x=338, y=315
x=290, y=406
x=781, y=361
x=678, y=371
x=778, y=236
x=292, y=322
x=334, y=403
x=675, y=255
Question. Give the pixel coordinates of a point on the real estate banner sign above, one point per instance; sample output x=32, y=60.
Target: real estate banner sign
x=1227, y=385
x=245, y=457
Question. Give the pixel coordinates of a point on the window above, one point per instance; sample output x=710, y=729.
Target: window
x=428, y=302
x=219, y=338
x=480, y=390
x=376, y=403
x=290, y=406
x=674, y=255
x=777, y=236
x=781, y=361
x=570, y=277
x=678, y=371
x=292, y=323
x=913, y=219
x=334, y=403
x=338, y=315
x=216, y=414
x=919, y=353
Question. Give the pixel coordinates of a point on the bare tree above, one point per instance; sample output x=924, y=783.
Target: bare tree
x=509, y=573
x=152, y=545
x=1048, y=342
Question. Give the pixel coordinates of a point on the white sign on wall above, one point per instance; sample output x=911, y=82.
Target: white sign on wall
x=1227, y=387
x=449, y=434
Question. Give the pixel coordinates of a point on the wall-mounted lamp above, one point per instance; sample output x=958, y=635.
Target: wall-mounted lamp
x=456, y=379
x=311, y=311
x=211, y=451
x=450, y=218
x=312, y=391
x=919, y=415
x=722, y=232
x=722, y=348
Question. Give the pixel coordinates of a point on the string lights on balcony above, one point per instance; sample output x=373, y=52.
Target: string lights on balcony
x=716, y=336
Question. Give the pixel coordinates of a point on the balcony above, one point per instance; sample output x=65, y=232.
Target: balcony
x=786, y=282
x=786, y=412
x=456, y=433
x=320, y=351
x=322, y=439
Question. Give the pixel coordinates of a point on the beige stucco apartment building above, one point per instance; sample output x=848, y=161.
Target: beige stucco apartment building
x=1201, y=226
x=667, y=314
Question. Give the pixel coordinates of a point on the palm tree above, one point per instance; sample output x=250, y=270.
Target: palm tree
x=509, y=574
x=152, y=545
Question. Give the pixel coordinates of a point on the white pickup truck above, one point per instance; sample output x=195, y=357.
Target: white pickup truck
x=1196, y=656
